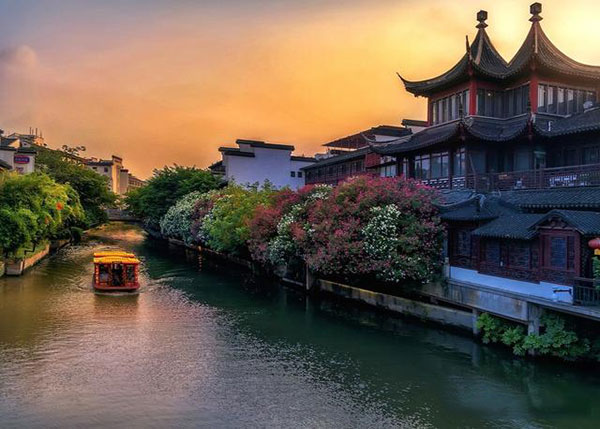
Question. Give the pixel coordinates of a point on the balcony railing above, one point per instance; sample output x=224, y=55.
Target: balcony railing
x=547, y=178
x=586, y=292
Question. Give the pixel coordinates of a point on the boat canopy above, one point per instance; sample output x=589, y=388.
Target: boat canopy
x=117, y=260
x=113, y=253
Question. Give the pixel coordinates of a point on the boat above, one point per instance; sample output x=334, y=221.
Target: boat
x=116, y=271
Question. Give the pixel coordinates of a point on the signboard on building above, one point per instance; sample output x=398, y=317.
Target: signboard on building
x=21, y=159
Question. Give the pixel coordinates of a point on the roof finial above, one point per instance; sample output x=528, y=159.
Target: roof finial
x=482, y=16
x=535, y=9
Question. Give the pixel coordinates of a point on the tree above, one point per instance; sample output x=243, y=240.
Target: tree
x=94, y=194
x=162, y=191
x=33, y=208
x=227, y=225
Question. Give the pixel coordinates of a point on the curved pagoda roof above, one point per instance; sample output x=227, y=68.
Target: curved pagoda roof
x=482, y=58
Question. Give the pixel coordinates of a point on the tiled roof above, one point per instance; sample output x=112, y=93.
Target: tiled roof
x=477, y=208
x=565, y=198
x=30, y=150
x=354, y=154
x=538, y=47
x=483, y=128
x=425, y=138
x=234, y=151
x=579, y=123
x=264, y=145
x=303, y=158
x=518, y=226
x=496, y=129
x=587, y=223
x=483, y=58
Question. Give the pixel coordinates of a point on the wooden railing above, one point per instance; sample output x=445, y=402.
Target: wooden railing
x=547, y=178
x=586, y=292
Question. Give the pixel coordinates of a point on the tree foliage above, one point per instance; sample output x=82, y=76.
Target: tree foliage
x=33, y=208
x=226, y=228
x=177, y=222
x=165, y=188
x=92, y=187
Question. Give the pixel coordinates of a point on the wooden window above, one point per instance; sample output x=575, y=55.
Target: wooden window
x=519, y=254
x=459, y=162
x=463, y=242
x=542, y=98
x=552, y=99
x=491, y=254
x=570, y=101
x=591, y=155
x=560, y=251
x=422, y=167
x=560, y=99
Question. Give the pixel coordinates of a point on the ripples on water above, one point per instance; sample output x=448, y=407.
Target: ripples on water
x=205, y=349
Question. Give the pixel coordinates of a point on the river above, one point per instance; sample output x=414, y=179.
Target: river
x=207, y=346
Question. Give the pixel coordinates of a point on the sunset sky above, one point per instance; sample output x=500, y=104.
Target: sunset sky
x=168, y=81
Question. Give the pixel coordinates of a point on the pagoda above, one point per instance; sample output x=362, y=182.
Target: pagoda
x=514, y=148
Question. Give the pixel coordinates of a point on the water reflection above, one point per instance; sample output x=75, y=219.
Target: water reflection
x=222, y=348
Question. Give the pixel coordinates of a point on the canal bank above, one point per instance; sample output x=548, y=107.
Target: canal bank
x=205, y=344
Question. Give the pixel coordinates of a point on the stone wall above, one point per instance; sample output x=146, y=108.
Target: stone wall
x=446, y=316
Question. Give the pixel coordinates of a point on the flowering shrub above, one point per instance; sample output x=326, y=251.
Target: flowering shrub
x=201, y=211
x=271, y=228
x=400, y=245
x=226, y=226
x=372, y=226
x=177, y=222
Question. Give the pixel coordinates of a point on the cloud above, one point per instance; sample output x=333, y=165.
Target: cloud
x=19, y=57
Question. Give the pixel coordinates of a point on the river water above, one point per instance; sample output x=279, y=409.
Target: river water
x=206, y=346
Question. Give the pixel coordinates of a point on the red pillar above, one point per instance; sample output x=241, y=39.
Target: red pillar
x=533, y=92
x=472, y=97
x=429, y=112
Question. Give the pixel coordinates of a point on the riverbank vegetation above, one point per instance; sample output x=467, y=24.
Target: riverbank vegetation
x=367, y=228
x=558, y=337
x=35, y=208
x=92, y=188
x=164, y=189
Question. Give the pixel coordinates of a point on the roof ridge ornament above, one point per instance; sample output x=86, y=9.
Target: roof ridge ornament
x=482, y=16
x=535, y=9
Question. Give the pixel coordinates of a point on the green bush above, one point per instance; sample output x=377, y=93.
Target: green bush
x=226, y=227
x=555, y=339
x=34, y=208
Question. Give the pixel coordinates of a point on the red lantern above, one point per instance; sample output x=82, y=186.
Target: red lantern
x=59, y=206
x=595, y=244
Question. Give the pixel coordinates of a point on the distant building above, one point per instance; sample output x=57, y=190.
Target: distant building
x=351, y=155
x=15, y=155
x=134, y=182
x=120, y=180
x=256, y=161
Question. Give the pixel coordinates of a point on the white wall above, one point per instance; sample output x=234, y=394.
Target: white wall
x=274, y=165
x=8, y=156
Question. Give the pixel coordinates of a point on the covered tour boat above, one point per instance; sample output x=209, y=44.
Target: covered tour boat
x=116, y=271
